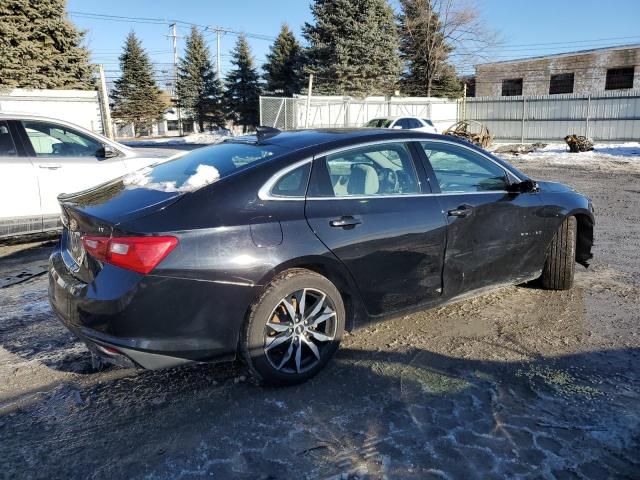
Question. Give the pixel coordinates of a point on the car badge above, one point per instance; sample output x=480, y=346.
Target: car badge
x=73, y=225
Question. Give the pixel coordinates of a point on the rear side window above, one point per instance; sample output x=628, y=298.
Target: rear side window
x=293, y=183
x=7, y=147
x=385, y=169
x=459, y=170
x=201, y=167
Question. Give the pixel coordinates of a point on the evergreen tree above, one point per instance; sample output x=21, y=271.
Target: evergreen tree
x=243, y=88
x=198, y=88
x=283, y=70
x=136, y=96
x=425, y=51
x=353, y=47
x=40, y=48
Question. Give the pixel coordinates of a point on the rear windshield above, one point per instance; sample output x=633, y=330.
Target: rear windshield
x=378, y=123
x=201, y=167
x=428, y=122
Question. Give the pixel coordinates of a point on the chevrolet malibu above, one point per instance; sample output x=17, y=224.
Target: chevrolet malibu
x=268, y=248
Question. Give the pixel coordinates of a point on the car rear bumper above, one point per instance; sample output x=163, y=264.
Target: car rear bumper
x=149, y=321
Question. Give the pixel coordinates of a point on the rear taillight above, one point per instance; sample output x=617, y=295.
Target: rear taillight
x=140, y=254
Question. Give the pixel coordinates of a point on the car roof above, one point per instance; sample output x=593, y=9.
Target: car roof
x=395, y=117
x=313, y=141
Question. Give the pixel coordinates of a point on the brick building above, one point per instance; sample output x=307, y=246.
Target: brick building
x=587, y=71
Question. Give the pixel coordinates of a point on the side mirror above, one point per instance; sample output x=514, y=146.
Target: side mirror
x=526, y=186
x=107, y=151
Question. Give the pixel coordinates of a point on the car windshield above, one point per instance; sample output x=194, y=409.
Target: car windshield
x=200, y=167
x=378, y=123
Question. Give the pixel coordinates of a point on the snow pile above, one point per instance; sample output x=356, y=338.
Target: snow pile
x=204, y=175
x=605, y=156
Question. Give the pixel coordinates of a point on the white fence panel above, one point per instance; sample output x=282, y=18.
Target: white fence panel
x=81, y=107
x=605, y=116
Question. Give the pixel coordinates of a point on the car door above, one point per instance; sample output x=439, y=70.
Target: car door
x=66, y=161
x=19, y=195
x=369, y=206
x=494, y=235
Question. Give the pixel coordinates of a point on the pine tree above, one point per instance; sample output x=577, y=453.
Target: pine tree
x=283, y=70
x=243, y=88
x=198, y=88
x=353, y=47
x=136, y=96
x=425, y=51
x=40, y=48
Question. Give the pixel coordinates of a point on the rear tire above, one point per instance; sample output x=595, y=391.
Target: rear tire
x=293, y=329
x=559, y=267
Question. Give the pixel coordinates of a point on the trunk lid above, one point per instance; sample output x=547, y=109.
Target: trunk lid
x=97, y=212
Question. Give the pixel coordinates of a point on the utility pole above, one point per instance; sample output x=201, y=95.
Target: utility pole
x=306, y=120
x=174, y=38
x=218, y=68
x=104, y=100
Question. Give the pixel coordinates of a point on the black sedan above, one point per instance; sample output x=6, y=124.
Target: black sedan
x=270, y=247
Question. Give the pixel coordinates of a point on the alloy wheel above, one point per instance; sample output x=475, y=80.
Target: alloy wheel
x=299, y=328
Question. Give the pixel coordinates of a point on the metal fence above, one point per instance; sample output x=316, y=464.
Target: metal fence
x=344, y=112
x=606, y=116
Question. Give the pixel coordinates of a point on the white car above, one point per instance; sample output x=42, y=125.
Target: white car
x=41, y=158
x=408, y=123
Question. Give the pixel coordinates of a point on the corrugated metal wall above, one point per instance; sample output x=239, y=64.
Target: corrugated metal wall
x=607, y=116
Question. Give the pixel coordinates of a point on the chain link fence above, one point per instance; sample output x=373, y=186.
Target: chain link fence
x=344, y=112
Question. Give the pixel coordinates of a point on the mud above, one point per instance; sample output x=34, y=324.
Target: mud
x=520, y=383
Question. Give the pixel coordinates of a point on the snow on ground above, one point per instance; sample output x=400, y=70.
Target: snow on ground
x=194, y=138
x=605, y=156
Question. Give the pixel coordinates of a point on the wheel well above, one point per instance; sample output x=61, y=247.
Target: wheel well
x=584, y=239
x=352, y=308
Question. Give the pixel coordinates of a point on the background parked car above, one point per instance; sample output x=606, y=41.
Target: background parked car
x=41, y=158
x=403, y=123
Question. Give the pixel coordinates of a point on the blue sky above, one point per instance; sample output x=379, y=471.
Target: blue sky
x=526, y=28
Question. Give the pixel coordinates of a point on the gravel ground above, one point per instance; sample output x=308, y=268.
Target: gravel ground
x=520, y=383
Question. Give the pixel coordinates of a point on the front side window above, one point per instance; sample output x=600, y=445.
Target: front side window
x=7, y=147
x=53, y=140
x=402, y=123
x=459, y=170
x=385, y=169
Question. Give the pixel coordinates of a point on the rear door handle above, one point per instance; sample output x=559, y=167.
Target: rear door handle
x=461, y=211
x=50, y=166
x=345, y=222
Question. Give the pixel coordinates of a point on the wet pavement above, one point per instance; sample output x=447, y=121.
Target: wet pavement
x=519, y=383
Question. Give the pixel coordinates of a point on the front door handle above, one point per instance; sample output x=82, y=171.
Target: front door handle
x=50, y=166
x=346, y=221
x=461, y=211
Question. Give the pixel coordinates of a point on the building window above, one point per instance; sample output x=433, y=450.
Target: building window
x=619, y=78
x=512, y=87
x=561, y=83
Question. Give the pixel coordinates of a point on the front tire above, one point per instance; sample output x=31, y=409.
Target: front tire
x=293, y=329
x=559, y=267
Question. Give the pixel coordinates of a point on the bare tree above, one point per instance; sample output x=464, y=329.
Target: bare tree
x=435, y=36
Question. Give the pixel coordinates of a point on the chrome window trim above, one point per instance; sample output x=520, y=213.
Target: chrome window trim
x=265, y=191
